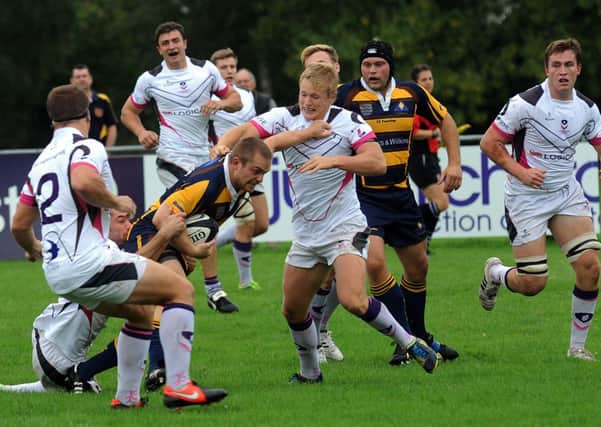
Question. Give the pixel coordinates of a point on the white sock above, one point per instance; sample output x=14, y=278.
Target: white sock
x=243, y=256
x=177, y=332
x=379, y=318
x=304, y=336
x=35, y=387
x=132, y=349
x=331, y=304
x=226, y=235
x=499, y=273
x=583, y=310
x=318, y=305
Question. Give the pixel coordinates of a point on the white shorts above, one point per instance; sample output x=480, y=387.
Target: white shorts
x=167, y=178
x=302, y=256
x=528, y=215
x=51, y=365
x=112, y=284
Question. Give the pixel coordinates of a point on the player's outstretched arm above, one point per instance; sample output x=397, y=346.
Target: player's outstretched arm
x=22, y=231
x=369, y=160
x=452, y=175
x=493, y=145
x=231, y=138
x=317, y=129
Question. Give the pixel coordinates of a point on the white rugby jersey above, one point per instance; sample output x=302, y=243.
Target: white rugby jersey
x=72, y=230
x=70, y=327
x=544, y=133
x=178, y=96
x=224, y=121
x=326, y=207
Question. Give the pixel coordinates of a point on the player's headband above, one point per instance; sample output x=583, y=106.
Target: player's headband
x=69, y=119
x=378, y=49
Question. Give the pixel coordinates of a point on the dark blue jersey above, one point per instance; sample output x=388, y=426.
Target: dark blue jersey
x=393, y=126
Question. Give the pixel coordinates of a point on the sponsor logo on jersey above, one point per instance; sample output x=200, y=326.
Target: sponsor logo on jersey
x=545, y=156
x=401, y=107
x=366, y=109
x=188, y=112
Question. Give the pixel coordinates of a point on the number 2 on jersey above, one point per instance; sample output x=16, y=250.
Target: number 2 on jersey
x=51, y=178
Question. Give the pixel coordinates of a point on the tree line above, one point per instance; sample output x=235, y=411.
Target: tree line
x=481, y=52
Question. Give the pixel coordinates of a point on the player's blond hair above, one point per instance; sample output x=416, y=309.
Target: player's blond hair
x=323, y=77
x=223, y=54
x=310, y=50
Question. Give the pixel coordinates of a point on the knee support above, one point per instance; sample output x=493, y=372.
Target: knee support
x=576, y=247
x=245, y=212
x=532, y=266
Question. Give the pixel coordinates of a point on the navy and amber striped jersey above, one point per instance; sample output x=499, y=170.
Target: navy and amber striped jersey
x=206, y=189
x=391, y=118
x=102, y=117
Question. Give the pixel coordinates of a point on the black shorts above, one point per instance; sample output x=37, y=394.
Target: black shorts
x=394, y=216
x=424, y=169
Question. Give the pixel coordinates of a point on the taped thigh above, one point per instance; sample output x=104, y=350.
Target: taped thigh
x=576, y=247
x=532, y=266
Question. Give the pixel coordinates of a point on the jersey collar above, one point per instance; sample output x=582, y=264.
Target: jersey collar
x=228, y=180
x=384, y=99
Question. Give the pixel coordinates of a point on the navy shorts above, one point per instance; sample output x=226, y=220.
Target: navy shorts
x=424, y=168
x=394, y=216
x=141, y=233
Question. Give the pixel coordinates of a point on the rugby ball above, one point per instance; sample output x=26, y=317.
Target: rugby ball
x=201, y=228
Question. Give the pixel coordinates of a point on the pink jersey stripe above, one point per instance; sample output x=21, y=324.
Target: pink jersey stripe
x=163, y=122
x=262, y=132
x=77, y=164
x=29, y=187
x=595, y=141
x=81, y=203
x=524, y=160
x=97, y=222
x=502, y=133
x=369, y=137
x=348, y=177
x=88, y=313
x=221, y=93
x=135, y=104
x=27, y=200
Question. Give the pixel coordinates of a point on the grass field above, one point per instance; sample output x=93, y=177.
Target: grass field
x=512, y=370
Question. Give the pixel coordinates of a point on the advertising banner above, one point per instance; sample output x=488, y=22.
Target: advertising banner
x=476, y=209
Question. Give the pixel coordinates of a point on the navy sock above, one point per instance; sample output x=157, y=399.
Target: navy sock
x=415, y=300
x=100, y=362
x=389, y=293
x=156, y=359
x=430, y=215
